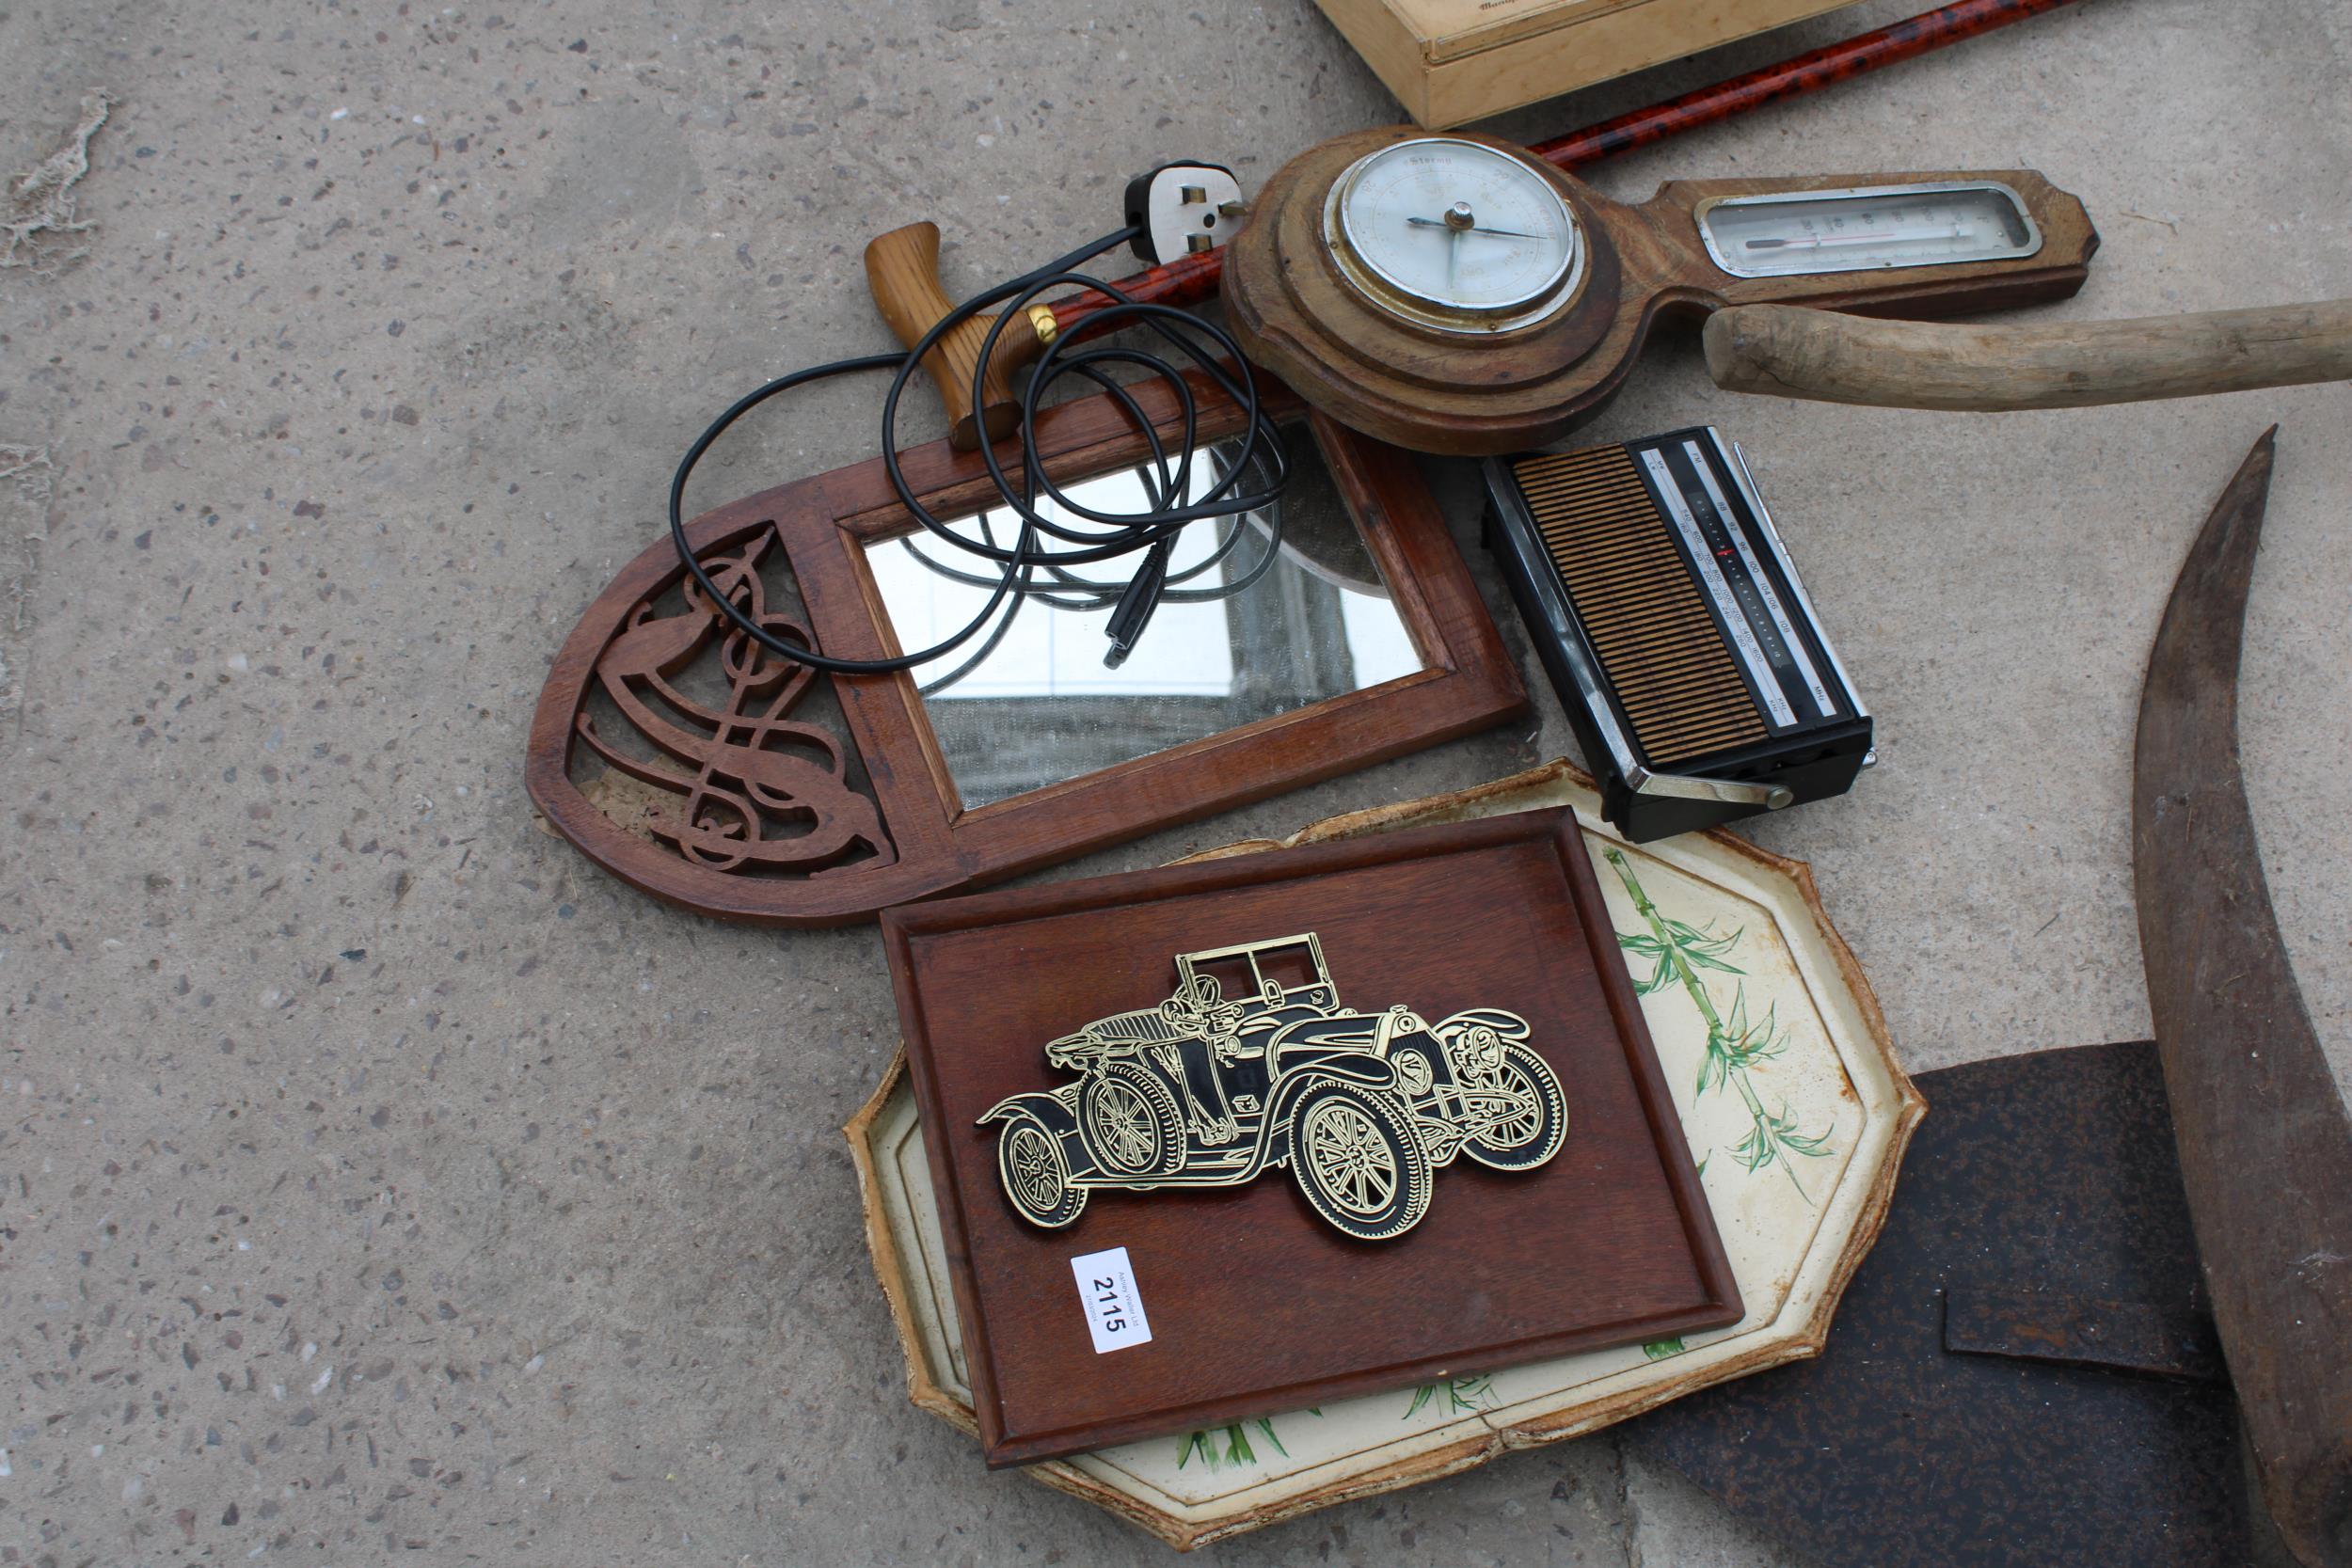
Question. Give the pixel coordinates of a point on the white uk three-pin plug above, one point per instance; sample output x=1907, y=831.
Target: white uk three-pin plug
x=1183, y=210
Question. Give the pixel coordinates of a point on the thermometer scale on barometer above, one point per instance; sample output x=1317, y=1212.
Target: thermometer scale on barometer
x=1931, y=224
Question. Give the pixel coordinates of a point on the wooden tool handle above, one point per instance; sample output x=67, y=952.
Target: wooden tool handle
x=1797, y=353
x=903, y=271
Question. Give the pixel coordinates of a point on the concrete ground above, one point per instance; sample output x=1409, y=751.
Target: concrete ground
x=378, y=1175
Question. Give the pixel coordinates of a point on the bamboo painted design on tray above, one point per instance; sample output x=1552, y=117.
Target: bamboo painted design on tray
x=1453, y=1396
x=1229, y=1445
x=1212, y=1090
x=1736, y=1043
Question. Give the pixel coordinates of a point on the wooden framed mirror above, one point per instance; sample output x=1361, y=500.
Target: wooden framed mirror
x=703, y=771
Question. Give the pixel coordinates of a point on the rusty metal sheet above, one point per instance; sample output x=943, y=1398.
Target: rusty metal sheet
x=2051, y=1173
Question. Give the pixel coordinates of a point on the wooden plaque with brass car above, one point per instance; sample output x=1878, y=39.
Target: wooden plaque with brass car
x=1295, y=1143
x=1460, y=294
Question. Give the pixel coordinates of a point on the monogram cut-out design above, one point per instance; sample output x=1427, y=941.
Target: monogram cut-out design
x=733, y=782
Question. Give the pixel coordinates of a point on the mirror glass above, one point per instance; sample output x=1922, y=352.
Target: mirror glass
x=1264, y=612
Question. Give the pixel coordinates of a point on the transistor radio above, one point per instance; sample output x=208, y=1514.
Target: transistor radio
x=1685, y=650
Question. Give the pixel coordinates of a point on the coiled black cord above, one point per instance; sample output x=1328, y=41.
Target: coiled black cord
x=1067, y=591
x=1117, y=534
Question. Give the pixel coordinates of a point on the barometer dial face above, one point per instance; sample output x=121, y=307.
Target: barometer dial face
x=1454, y=235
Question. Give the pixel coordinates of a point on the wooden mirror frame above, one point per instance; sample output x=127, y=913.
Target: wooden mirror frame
x=933, y=844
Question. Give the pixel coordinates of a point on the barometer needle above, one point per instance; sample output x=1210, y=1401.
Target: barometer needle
x=1441, y=222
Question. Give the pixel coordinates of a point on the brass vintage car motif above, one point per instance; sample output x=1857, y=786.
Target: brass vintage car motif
x=1253, y=1063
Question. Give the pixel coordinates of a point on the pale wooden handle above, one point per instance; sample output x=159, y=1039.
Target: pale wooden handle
x=902, y=271
x=1793, y=351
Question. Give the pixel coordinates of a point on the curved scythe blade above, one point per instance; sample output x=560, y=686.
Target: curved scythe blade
x=2265, y=1147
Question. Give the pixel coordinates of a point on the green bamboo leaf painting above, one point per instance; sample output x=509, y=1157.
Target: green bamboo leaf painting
x=1701, y=947
x=1229, y=1445
x=1815, y=1145
x=1714, y=1068
x=1462, y=1395
x=1737, y=1045
x=1662, y=973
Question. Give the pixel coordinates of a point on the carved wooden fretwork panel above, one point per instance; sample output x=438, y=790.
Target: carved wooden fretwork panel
x=731, y=756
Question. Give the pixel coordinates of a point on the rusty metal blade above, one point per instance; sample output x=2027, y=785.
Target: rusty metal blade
x=2265, y=1144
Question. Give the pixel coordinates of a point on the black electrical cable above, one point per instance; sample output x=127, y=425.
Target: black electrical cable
x=1094, y=594
x=1100, y=596
x=1118, y=534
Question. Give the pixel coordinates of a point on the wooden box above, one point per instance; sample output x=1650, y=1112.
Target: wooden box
x=1253, y=1306
x=1453, y=61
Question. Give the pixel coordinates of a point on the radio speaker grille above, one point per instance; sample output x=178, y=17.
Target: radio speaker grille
x=1640, y=608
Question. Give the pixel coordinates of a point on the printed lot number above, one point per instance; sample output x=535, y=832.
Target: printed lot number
x=1114, y=1308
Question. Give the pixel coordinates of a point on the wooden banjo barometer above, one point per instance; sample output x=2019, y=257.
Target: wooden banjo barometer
x=1456, y=294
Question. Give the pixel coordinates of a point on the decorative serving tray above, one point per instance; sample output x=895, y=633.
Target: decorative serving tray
x=1776, y=1057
